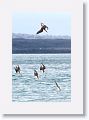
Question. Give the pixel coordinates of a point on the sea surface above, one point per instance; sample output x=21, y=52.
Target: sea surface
x=27, y=88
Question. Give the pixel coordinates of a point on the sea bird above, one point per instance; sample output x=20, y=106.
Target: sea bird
x=42, y=67
x=36, y=74
x=58, y=87
x=43, y=27
x=18, y=70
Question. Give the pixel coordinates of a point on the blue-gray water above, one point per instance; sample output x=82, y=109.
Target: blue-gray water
x=26, y=87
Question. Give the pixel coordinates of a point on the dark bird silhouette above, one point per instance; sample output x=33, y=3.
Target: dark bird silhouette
x=17, y=69
x=42, y=67
x=36, y=73
x=43, y=27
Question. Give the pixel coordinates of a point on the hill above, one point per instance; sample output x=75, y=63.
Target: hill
x=32, y=44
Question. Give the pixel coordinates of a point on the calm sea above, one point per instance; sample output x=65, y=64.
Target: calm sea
x=26, y=88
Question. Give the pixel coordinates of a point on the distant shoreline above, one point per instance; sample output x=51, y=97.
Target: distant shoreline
x=38, y=53
x=40, y=46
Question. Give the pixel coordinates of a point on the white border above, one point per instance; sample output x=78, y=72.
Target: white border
x=76, y=104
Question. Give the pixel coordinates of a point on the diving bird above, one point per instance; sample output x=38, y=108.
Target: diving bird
x=17, y=69
x=42, y=67
x=58, y=87
x=36, y=73
x=43, y=27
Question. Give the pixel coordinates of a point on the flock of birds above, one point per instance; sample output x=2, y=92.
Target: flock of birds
x=42, y=67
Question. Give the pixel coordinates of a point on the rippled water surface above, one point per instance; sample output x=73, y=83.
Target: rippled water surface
x=26, y=88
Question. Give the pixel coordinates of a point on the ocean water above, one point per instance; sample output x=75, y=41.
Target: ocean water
x=27, y=88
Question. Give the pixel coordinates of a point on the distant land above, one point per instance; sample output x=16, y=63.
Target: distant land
x=40, y=44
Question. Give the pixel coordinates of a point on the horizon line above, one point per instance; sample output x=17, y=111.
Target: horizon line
x=43, y=34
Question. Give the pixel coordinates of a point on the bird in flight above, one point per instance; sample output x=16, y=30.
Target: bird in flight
x=43, y=27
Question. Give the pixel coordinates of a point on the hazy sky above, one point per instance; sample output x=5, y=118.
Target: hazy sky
x=26, y=22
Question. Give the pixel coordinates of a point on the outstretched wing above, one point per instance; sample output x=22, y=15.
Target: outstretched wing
x=47, y=27
x=41, y=30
